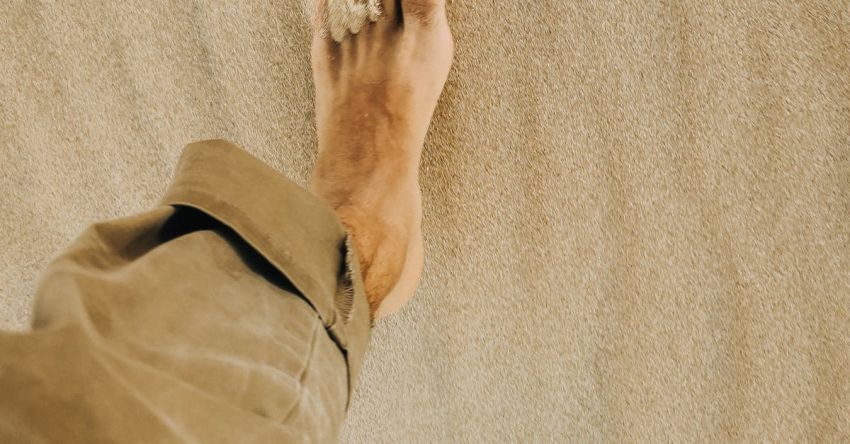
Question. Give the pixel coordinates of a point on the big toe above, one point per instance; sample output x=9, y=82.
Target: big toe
x=422, y=12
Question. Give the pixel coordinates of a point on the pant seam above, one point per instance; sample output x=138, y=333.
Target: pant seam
x=302, y=373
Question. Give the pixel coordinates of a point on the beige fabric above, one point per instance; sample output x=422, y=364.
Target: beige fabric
x=635, y=211
x=224, y=314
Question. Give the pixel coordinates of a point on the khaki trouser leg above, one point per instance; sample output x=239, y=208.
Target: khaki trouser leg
x=233, y=312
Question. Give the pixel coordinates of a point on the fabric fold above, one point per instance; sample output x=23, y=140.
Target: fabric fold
x=291, y=228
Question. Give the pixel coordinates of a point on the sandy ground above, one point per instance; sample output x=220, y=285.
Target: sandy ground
x=636, y=212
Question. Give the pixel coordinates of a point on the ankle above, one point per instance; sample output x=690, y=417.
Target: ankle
x=382, y=241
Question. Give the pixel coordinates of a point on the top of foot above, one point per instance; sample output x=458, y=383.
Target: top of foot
x=377, y=85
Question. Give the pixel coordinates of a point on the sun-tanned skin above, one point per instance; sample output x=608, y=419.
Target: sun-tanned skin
x=375, y=94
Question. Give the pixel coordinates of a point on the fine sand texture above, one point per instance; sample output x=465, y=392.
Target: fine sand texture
x=637, y=213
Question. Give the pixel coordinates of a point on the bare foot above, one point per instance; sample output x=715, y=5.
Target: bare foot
x=375, y=94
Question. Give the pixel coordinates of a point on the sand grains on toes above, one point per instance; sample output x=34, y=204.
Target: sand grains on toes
x=338, y=18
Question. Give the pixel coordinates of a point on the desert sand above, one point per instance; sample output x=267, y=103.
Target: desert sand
x=637, y=213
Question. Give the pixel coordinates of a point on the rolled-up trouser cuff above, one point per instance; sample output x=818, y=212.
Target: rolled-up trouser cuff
x=291, y=228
